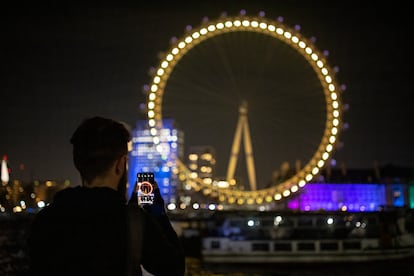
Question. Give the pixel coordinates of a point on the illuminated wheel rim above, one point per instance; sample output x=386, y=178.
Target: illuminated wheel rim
x=302, y=46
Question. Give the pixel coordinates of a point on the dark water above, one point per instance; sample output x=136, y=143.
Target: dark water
x=390, y=268
x=14, y=262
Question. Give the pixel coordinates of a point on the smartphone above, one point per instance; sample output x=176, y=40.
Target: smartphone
x=145, y=193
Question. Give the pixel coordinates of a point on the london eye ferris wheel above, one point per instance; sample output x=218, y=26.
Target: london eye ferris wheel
x=254, y=81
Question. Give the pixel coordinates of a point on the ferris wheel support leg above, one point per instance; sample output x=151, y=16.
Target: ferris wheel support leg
x=235, y=150
x=248, y=149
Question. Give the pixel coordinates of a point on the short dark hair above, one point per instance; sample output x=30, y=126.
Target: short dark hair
x=97, y=143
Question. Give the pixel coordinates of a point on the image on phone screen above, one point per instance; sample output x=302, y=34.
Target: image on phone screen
x=145, y=193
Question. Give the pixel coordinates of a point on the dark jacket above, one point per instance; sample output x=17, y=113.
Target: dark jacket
x=85, y=232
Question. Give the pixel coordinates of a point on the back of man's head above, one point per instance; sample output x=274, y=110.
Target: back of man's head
x=97, y=143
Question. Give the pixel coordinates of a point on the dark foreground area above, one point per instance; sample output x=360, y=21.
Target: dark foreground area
x=390, y=268
x=14, y=262
x=13, y=235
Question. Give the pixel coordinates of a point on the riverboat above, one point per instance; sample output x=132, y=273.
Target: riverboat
x=308, y=237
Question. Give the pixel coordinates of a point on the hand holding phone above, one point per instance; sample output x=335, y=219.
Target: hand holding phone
x=145, y=188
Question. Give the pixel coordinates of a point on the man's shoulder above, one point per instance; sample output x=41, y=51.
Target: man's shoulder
x=45, y=212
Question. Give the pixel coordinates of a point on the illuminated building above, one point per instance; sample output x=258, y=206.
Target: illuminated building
x=146, y=156
x=345, y=197
x=201, y=162
x=4, y=171
x=358, y=191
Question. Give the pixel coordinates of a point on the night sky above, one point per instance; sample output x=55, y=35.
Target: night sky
x=60, y=64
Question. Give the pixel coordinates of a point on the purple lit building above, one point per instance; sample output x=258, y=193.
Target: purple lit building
x=353, y=193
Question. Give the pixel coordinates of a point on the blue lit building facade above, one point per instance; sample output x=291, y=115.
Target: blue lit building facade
x=144, y=157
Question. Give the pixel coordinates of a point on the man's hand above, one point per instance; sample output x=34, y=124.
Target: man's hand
x=133, y=200
x=157, y=208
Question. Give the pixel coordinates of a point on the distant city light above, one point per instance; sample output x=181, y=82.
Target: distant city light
x=171, y=206
x=5, y=178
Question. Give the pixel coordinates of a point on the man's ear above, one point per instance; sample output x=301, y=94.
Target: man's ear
x=120, y=165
